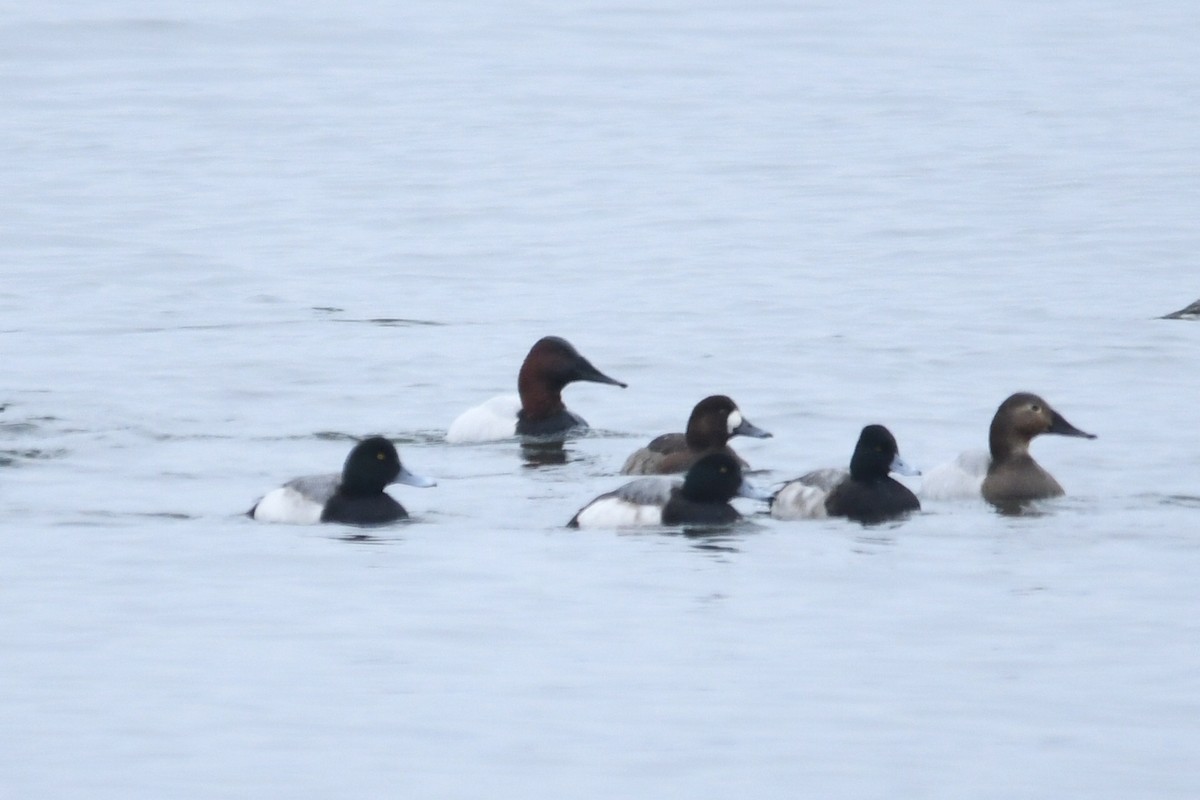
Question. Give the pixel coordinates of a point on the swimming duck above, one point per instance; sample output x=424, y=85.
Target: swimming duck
x=865, y=493
x=537, y=410
x=700, y=498
x=1007, y=476
x=355, y=497
x=1191, y=312
x=713, y=422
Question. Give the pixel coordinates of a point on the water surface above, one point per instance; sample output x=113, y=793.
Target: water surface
x=237, y=235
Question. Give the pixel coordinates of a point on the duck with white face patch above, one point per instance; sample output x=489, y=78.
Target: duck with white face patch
x=713, y=422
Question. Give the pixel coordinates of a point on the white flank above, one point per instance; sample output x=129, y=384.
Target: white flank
x=960, y=479
x=613, y=512
x=798, y=500
x=285, y=504
x=495, y=419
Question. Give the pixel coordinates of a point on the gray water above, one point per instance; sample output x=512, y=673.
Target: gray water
x=236, y=235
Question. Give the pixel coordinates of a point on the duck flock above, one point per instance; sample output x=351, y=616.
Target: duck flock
x=1006, y=476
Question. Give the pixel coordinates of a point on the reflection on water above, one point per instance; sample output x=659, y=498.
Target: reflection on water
x=27, y=430
x=1185, y=500
x=712, y=539
x=362, y=537
x=9, y=457
x=544, y=453
x=1031, y=509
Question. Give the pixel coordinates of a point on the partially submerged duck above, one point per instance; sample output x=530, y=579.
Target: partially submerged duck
x=537, y=410
x=713, y=422
x=1191, y=312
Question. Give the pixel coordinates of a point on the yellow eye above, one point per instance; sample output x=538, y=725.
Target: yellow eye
x=381, y=456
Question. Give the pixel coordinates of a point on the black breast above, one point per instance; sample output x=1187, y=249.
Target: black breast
x=554, y=425
x=377, y=509
x=681, y=511
x=873, y=502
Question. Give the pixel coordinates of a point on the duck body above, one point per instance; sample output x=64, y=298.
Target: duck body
x=1007, y=476
x=1190, y=312
x=700, y=498
x=1017, y=480
x=355, y=497
x=713, y=422
x=865, y=493
x=871, y=502
x=537, y=410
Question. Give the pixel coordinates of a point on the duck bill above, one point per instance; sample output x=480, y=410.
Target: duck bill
x=1059, y=425
x=748, y=489
x=902, y=467
x=746, y=428
x=413, y=479
x=586, y=372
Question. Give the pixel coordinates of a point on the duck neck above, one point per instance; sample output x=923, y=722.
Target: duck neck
x=1006, y=447
x=864, y=469
x=705, y=434
x=539, y=399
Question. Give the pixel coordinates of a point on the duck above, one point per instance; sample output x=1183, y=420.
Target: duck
x=537, y=410
x=700, y=498
x=714, y=420
x=1007, y=476
x=865, y=493
x=1189, y=312
x=356, y=497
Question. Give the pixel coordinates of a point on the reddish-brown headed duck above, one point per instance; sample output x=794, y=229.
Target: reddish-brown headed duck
x=538, y=411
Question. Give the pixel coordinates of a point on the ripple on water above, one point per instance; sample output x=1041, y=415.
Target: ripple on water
x=1184, y=500
x=17, y=456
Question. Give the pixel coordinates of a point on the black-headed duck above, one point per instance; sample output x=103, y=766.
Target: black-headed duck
x=356, y=497
x=700, y=498
x=866, y=493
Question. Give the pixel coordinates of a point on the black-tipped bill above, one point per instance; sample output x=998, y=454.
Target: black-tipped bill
x=413, y=479
x=902, y=467
x=747, y=428
x=589, y=373
x=748, y=489
x=1059, y=425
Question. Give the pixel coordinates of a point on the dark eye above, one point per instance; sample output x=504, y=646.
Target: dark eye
x=1036, y=408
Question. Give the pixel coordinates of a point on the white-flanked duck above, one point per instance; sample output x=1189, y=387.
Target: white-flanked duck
x=1006, y=476
x=537, y=410
x=356, y=497
x=865, y=493
x=700, y=498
